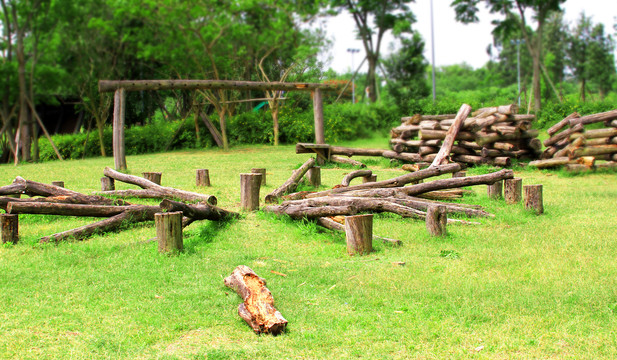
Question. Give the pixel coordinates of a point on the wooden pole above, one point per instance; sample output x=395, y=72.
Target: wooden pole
x=249, y=191
x=169, y=231
x=261, y=171
x=436, y=219
x=495, y=190
x=140, y=85
x=118, y=130
x=155, y=177
x=513, y=190
x=359, y=234
x=202, y=178
x=9, y=224
x=314, y=176
x=58, y=183
x=108, y=184
x=318, y=115
x=533, y=198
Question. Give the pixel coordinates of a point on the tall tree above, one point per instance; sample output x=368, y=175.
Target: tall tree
x=386, y=15
x=515, y=14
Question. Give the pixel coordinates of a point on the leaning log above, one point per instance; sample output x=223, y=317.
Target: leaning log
x=257, y=308
x=355, y=174
x=560, y=125
x=451, y=134
x=595, y=118
x=291, y=183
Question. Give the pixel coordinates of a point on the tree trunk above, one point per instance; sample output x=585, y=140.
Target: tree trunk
x=533, y=198
x=436, y=219
x=359, y=234
x=9, y=229
x=169, y=231
x=513, y=190
x=249, y=191
x=275, y=120
x=371, y=79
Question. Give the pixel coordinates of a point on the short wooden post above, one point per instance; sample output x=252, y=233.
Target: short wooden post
x=533, y=198
x=359, y=234
x=202, y=177
x=155, y=177
x=436, y=220
x=314, y=176
x=368, y=179
x=10, y=228
x=495, y=191
x=513, y=190
x=169, y=231
x=108, y=184
x=58, y=183
x=249, y=191
x=261, y=171
x=459, y=174
x=118, y=130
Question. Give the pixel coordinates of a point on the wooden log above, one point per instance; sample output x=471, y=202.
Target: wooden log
x=567, y=151
x=472, y=145
x=594, y=118
x=153, y=190
x=473, y=159
x=423, y=204
x=355, y=174
x=344, y=160
x=339, y=150
x=202, y=177
x=430, y=125
x=291, y=183
x=257, y=308
x=612, y=123
x=459, y=174
x=441, y=135
x=47, y=208
x=359, y=234
x=33, y=188
x=535, y=145
x=314, y=176
x=533, y=198
x=9, y=228
x=560, y=125
x=512, y=190
x=417, y=118
x=564, y=134
x=318, y=116
x=249, y=191
x=495, y=190
x=107, y=184
x=201, y=211
x=503, y=109
x=595, y=133
x=155, y=177
x=261, y=171
x=594, y=150
x=482, y=138
x=118, y=129
x=549, y=163
x=141, y=85
x=436, y=218
x=369, y=179
x=588, y=161
x=425, y=150
x=58, y=183
x=169, y=231
x=334, y=225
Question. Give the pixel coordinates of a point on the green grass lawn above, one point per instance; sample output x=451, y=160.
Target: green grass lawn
x=516, y=286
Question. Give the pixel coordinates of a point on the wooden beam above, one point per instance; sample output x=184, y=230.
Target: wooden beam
x=318, y=114
x=139, y=85
x=118, y=130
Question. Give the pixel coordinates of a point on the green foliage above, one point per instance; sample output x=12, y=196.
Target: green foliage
x=553, y=112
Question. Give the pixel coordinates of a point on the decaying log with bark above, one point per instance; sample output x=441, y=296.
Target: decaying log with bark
x=291, y=183
x=355, y=174
x=257, y=308
x=448, y=142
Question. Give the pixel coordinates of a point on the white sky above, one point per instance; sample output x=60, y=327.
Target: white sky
x=455, y=43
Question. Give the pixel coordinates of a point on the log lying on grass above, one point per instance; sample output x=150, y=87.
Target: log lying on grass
x=33, y=188
x=291, y=183
x=257, y=308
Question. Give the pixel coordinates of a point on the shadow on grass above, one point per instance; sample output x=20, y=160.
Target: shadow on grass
x=206, y=234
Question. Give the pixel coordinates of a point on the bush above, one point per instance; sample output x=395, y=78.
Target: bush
x=553, y=112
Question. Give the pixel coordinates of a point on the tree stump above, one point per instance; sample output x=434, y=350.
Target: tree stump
x=155, y=177
x=58, y=183
x=368, y=179
x=202, y=177
x=359, y=234
x=261, y=171
x=314, y=176
x=9, y=224
x=459, y=174
x=495, y=190
x=436, y=219
x=249, y=191
x=108, y=184
x=533, y=198
x=513, y=190
x=169, y=231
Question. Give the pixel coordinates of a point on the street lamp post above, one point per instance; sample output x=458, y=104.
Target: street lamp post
x=353, y=83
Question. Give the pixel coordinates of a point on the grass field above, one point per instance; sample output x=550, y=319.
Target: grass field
x=516, y=286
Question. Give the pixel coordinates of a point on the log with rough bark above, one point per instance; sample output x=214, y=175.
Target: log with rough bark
x=151, y=190
x=594, y=118
x=563, y=123
x=9, y=228
x=533, y=198
x=451, y=134
x=257, y=308
x=348, y=161
x=359, y=234
x=48, y=208
x=33, y=188
x=549, y=163
x=355, y=174
x=595, y=133
x=578, y=128
x=389, y=154
x=291, y=183
x=200, y=211
x=436, y=219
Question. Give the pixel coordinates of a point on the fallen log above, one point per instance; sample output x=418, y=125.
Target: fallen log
x=578, y=128
x=390, y=154
x=328, y=223
x=594, y=150
x=549, y=163
x=33, y=188
x=257, y=308
x=291, y=183
x=451, y=134
x=355, y=174
x=560, y=125
x=201, y=211
x=344, y=160
x=46, y=208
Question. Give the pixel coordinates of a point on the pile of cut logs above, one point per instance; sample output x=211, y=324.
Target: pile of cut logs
x=576, y=144
x=492, y=136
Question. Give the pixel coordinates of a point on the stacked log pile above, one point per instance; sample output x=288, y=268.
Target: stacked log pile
x=492, y=135
x=576, y=143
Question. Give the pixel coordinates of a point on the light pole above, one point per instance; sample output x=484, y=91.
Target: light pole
x=353, y=83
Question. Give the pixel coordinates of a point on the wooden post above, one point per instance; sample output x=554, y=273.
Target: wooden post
x=533, y=198
x=108, y=184
x=202, y=178
x=249, y=191
x=118, y=130
x=359, y=234
x=9, y=224
x=436, y=219
x=58, y=183
x=368, y=179
x=155, y=177
x=495, y=190
x=261, y=171
x=169, y=231
x=318, y=115
x=459, y=174
x=314, y=176
x=513, y=190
